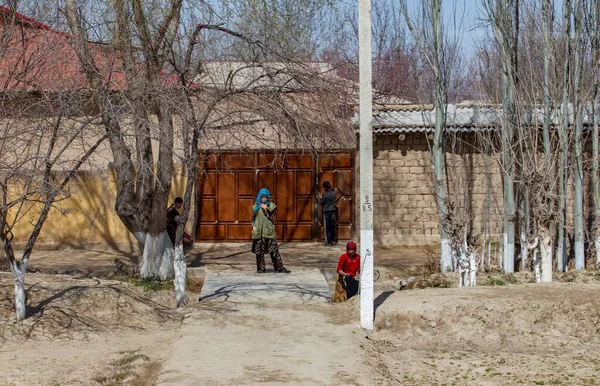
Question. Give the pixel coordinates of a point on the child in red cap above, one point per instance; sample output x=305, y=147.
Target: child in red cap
x=349, y=267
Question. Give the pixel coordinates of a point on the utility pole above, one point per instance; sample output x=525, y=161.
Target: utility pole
x=366, y=164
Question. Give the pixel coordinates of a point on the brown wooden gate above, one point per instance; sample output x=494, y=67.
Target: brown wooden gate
x=228, y=185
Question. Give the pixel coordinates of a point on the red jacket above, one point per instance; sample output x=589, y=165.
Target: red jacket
x=348, y=265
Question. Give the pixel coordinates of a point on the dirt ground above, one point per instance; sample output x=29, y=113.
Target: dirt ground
x=90, y=325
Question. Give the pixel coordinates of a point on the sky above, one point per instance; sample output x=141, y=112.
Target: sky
x=471, y=28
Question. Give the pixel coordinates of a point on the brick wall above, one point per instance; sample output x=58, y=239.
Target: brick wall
x=405, y=208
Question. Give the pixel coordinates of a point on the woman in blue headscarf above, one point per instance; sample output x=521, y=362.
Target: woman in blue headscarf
x=263, y=233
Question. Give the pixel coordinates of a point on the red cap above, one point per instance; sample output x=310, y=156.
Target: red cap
x=351, y=245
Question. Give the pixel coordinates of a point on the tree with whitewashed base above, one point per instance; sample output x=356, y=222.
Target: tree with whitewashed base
x=168, y=101
x=48, y=137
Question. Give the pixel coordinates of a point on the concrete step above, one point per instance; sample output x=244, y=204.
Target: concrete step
x=299, y=286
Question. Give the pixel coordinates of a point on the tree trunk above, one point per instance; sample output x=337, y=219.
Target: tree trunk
x=524, y=251
x=595, y=136
x=536, y=260
x=597, y=244
x=180, y=276
x=548, y=16
x=20, y=299
x=504, y=30
x=473, y=269
x=561, y=252
x=578, y=111
x=536, y=267
x=467, y=269
x=466, y=266
x=157, y=258
x=546, y=252
x=438, y=135
x=563, y=139
x=547, y=240
x=596, y=178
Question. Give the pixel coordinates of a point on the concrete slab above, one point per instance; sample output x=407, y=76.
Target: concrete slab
x=299, y=286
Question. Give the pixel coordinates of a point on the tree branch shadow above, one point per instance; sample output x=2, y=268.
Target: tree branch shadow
x=83, y=310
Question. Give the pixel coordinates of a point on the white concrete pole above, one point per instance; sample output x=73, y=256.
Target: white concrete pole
x=366, y=164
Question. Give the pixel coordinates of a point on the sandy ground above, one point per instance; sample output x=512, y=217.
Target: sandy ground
x=90, y=326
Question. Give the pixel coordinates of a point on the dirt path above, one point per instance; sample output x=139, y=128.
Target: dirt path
x=84, y=330
x=269, y=328
x=248, y=344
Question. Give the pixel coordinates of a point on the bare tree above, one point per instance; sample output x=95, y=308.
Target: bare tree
x=47, y=137
x=151, y=44
x=578, y=60
x=547, y=229
x=594, y=28
x=501, y=14
x=430, y=39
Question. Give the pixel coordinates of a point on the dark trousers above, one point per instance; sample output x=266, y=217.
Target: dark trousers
x=329, y=220
x=351, y=286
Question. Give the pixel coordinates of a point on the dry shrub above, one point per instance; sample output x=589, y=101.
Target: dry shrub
x=132, y=368
x=439, y=280
x=432, y=256
x=126, y=268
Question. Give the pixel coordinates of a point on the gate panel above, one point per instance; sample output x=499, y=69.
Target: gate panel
x=208, y=209
x=244, y=210
x=230, y=182
x=246, y=184
x=225, y=195
x=212, y=232
x=304, y=209
x=266, y=179
x=284, y=196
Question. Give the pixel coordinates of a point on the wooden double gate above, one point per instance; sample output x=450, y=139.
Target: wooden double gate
x=229, y=182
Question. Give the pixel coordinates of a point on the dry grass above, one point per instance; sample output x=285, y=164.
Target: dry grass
x=132, y=368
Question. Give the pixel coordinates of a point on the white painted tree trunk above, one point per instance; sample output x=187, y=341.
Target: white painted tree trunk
x=466, y=266
x=462, y=270
x=508, y=256
x=546, y=251
x=524, y=251
x=446, y=258
x=536, y=260
x=180, y=276
x=579, y=247
x=563, y=130
x=157, y=261
x=578, y=101
x=473, y=269
x=536, y=266
x=20, y=300
x=597, y=243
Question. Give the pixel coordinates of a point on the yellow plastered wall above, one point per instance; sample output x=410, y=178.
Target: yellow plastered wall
x=86, y=216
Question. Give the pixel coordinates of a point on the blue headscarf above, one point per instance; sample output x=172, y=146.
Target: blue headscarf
x=262, y=192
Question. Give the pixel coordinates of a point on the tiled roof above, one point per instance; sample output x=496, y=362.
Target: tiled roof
x=38, y=57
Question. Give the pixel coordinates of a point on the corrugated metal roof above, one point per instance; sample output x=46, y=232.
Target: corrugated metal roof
x=427, y=129
x=459, y=118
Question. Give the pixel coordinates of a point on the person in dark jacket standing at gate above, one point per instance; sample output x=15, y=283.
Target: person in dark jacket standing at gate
x=327, y=200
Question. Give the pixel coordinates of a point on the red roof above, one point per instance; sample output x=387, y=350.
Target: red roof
x=38, y=57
